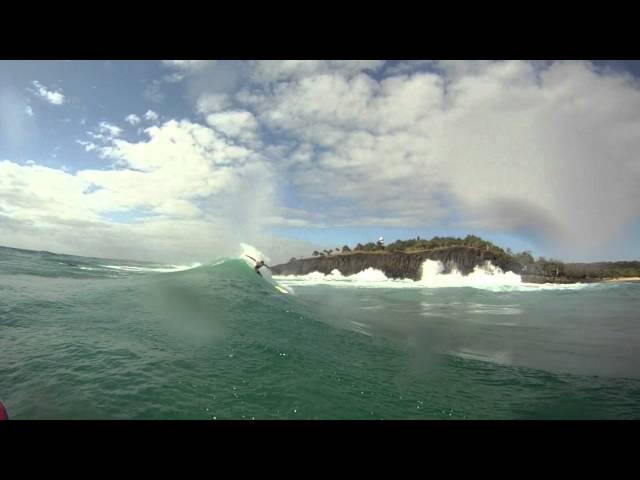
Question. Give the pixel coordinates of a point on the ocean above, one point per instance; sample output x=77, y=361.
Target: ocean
x=91, y=338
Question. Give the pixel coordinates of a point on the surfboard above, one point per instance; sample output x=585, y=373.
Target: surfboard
x=281, y=289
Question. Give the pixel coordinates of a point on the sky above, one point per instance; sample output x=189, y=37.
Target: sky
x=182, y=160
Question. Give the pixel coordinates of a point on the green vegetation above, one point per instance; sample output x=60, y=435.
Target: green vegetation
x=602, y=270
x=369, y=247
x=418, y=244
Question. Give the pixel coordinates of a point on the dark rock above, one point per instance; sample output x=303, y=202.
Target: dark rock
x=399, y=265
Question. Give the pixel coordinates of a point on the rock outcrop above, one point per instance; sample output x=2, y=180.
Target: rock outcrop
x=398, y=265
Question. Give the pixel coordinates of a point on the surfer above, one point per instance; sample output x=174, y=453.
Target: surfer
x=3, y=413
x=259, y=264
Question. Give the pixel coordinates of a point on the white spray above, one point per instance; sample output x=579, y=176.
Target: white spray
x=486, y=277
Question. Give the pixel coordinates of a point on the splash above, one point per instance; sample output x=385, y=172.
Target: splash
x=485, y=277
x=370, y=277
x=246, y=249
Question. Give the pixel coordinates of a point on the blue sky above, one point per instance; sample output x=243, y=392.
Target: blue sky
x=183, y=160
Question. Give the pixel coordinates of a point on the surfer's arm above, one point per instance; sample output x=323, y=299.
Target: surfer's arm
x=267, y=266
x=251, y=258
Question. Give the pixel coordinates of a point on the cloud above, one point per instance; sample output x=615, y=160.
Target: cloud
x=28, y=110
x=52, y=97
x=241, y=125
x=183, y=69
x=110, y=129
x=189, y=65
x=132, y=119
x=153, y=93
x=547, y=149
x=214, y=85
x=88, y=146
x=406, y=66
x=174, y=77
x=212, y=103
x=278, y=70
x=151, y=116
x=35, y=193
x=190, y=192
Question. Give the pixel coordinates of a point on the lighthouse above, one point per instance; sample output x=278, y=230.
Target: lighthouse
x=381, y=242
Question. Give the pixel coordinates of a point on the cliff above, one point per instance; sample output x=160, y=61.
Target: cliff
x=398, y=265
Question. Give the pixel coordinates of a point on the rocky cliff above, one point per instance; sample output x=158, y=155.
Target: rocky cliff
x=396, y=264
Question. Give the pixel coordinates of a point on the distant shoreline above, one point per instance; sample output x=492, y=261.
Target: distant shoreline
x=464, y=258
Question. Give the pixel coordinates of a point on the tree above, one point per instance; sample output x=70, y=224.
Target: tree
x=525, y=258
x=359, y=247
x=315, y=253
x=368, y=247
x=292, y=259
x=346, y=249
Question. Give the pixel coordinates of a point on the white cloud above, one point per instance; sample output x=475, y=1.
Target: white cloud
x=500, y=145
x=132, y=119
x=53, y=97
x=151, y=116
x=174, y=77
x=110, y=129
x=241, y=125
x=222, y=81
x=35, y=193
x=278, y=70
x=88, y=146
x=211, y=103
x=188, y=65
x=205, y=193
x=28, y=110
x=181, y=163
x=332, y=100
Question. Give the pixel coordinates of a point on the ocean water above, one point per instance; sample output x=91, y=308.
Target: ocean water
x=89, y=338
